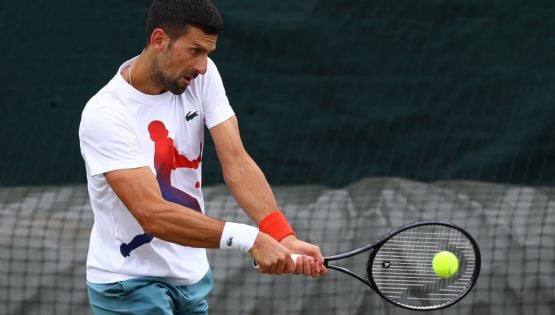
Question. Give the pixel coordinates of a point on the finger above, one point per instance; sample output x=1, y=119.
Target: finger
x=308, y=264
x=271, y=267
x=279, y=267
x=261, y=268
x=314, y=268
x=298, y=259
x=291, y=265
x=320, y=267
x=268, y=268
x=287, y=265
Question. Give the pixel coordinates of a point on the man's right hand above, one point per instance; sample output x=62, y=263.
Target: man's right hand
x=270, y=256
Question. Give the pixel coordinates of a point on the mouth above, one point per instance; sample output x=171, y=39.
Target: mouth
x=189, y=78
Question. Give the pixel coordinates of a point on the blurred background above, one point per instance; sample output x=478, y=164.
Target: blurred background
x=363, y=115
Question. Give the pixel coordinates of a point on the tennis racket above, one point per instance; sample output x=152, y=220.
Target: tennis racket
x=400, y=268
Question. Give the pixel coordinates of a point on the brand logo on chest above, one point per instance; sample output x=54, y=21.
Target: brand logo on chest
x=191, y=115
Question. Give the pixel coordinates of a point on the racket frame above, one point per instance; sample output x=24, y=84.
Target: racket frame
x=374, y=248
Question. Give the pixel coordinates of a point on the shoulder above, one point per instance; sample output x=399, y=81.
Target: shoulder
x=104, y=112
x=102, y=107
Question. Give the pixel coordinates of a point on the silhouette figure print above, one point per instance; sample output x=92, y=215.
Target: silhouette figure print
x=166, y=159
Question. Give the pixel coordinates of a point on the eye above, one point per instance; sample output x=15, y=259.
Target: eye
x=196, y=51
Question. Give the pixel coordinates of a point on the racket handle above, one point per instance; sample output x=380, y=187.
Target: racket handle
x=293, y=256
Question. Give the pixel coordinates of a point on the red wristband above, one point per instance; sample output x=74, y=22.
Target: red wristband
x=275, y=224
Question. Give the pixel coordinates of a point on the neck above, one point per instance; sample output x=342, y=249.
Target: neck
x=128, y=72
x=137, y=76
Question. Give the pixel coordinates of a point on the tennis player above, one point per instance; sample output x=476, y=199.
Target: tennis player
x=141, y=138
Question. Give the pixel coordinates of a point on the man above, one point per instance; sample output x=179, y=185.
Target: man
x=141, y=138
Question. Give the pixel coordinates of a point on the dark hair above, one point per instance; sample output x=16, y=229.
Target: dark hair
x=175, y=16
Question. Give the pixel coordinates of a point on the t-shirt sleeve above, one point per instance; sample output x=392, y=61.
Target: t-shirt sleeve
x=215, y=103
x=109, y=141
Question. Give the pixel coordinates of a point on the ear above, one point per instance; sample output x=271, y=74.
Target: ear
x=159, y=39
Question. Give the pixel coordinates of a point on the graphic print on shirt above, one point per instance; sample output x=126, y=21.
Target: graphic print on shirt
x=166, y=159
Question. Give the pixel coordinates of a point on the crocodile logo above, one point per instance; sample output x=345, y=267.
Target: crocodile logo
x=191, y=115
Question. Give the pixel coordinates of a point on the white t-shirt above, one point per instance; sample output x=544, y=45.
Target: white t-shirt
x=122, y=128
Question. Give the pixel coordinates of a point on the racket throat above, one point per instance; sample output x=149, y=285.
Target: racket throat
x=350, y=273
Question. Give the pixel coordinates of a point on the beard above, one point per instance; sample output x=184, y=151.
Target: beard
x=174, y=86
x=169, y=83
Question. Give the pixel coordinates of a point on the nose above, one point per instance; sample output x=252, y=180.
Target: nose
x=201, y=66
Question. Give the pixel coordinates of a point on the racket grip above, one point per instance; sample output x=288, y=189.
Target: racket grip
x=293, y=256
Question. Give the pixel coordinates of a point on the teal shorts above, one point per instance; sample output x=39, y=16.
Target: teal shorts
x=150, y=296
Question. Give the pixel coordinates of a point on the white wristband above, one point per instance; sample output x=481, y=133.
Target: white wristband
x=238, y=236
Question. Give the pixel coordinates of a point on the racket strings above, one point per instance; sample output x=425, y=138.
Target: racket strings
x=402, y=268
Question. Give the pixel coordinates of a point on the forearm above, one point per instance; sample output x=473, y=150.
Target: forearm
x=254, y=195
x=174, y=223
x=140, y=193
x=252, y=192
x=249, y=187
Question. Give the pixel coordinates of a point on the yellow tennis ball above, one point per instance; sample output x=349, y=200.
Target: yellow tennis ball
x=445, y=264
